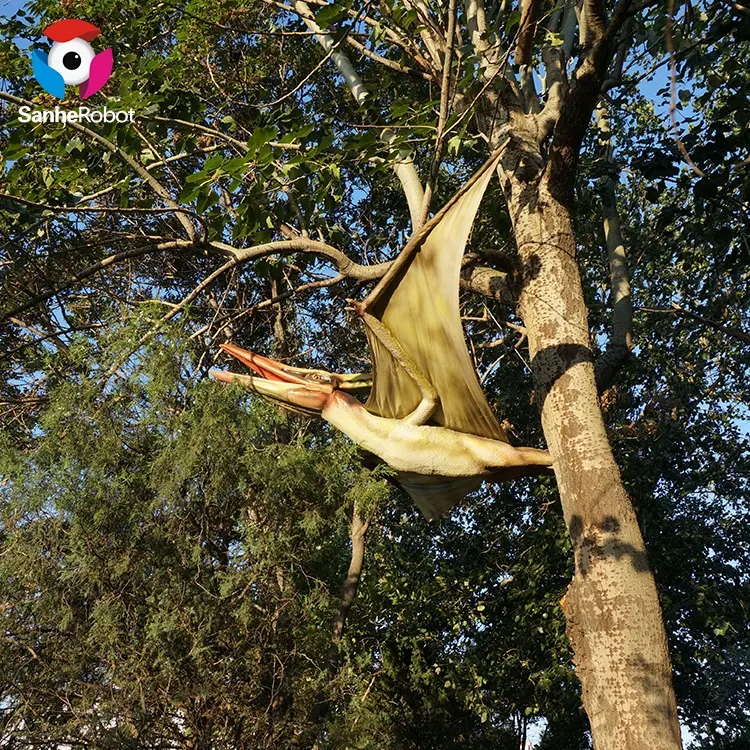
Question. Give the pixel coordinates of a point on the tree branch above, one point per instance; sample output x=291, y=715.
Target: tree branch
x=556, y=83
x=358, y=531
x=592, y=23
x=432, y=37
x=673, y=90
x=388, y=63
x=403, y=167
x=524, y=48
x=488, y=54
x=241, y=145
x=345, y=265
x=93, y=269
x=476, y=23
x=489, y=283
x=580, y=99
x=734, y=333
x=404, y=42
x=621, y=340
x=77, y=209
x=445, y=91
x=41, y=335
x=484, y=281
x=738, y=7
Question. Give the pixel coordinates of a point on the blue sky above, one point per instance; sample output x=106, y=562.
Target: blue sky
x=7, y=7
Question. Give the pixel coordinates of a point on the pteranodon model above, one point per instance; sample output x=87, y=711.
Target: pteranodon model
x=426, y=416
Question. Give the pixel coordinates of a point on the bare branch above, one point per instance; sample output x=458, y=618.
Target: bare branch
x=392, y=64
x=432, y=37
x=404, y=168
x=445, y=91
x=306, y=78
x=358, y=531
x=42, y=335
x=175, y=309
x=404, y=42
x=734, y=333
x=78, y=209
x=319, y=284
x=95, y=268
x=673, y=90
x=621, y=340
x=345, y=265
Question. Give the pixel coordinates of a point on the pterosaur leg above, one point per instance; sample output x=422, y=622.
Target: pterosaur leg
x=430, y=399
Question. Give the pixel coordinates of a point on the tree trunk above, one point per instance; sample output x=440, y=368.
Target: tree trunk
x=614, y=619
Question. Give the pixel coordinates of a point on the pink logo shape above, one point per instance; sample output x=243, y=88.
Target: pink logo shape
x=101, y=70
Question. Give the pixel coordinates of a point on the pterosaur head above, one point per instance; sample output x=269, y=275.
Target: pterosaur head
x=294, y=388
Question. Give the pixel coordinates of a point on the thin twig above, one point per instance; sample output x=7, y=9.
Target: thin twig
x=93, y=269
x=673, y=90
x=734, y=333
x=77, y=209
x=445, y=92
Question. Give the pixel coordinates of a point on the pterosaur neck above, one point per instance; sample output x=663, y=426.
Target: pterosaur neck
x=348, y=415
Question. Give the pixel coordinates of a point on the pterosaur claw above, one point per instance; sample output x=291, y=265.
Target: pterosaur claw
x=356, y=306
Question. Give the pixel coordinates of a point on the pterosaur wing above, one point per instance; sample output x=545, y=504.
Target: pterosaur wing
x=418, y=302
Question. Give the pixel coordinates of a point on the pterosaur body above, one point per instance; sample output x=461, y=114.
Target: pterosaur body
x=426, y=415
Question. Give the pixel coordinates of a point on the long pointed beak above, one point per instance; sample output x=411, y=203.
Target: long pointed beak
x=278, y=383
x=272, y=370
x=263, y=366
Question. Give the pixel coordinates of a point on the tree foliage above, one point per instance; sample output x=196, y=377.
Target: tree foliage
x=173, y=551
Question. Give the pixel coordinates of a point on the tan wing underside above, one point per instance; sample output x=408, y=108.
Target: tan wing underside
x=420, y=307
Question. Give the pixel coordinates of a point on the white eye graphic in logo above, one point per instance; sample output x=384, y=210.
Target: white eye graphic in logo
x=72, y=60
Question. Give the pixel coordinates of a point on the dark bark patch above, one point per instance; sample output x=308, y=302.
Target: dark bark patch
x=531, y=268
x=609, y=525
x=551, y=363
x=601, y=540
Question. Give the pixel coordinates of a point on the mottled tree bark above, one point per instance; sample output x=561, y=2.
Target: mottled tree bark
x=614, y=618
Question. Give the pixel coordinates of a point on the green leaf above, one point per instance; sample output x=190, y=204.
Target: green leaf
x=260, y=137
x=329, y=14
x=514, y=18
x=213, y=162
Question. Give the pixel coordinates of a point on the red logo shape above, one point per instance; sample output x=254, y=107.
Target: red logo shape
x=70, y=28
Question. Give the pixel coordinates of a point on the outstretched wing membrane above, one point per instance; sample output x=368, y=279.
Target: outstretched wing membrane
x=418, y=301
